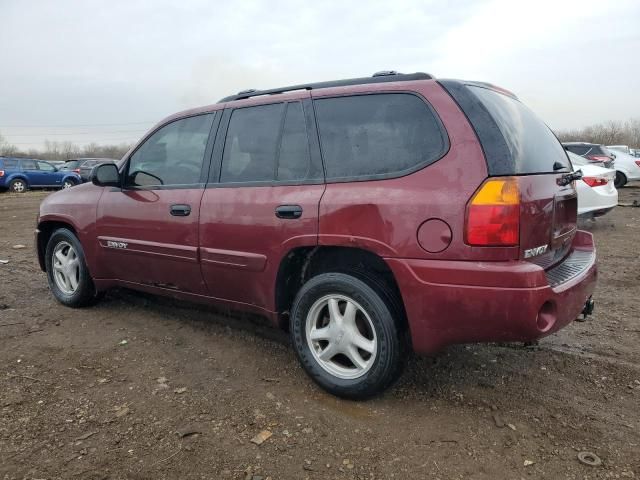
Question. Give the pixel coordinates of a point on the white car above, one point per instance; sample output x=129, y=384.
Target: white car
x=597, y=194
x=627, y=168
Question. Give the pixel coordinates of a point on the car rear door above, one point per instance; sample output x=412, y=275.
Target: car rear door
x=262, y=199
x=147, y=231
x=34, y=176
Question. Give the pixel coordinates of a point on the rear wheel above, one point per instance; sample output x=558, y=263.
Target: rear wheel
x=67, y=271
x=68, y=184
x=18, y=186
x=620, y=181
x=346, y=336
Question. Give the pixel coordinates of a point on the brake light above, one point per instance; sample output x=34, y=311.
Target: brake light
x=638, y=162
x=76, y=170
x=598, y=158
x=595, y=181
x=493, y=214
x=1, y=173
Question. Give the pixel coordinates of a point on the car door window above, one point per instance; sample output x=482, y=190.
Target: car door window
x=173, y=155
x=29, y=165
x=46, y=167
x=294, y=161
x=251, y=144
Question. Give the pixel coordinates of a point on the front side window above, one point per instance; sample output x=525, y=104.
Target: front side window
x=173, y=155
x=377, y=135
x=46, y=167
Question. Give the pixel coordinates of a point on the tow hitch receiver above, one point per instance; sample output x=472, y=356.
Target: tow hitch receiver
x=587, y=309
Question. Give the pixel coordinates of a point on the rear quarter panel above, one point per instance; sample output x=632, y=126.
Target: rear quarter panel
x=383, y=216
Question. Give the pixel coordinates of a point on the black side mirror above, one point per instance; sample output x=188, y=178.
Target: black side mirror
x=106, y=175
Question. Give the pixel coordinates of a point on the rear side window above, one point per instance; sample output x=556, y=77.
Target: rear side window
x=268, y=143
x=251, y=144
x=294, y=161
x=532, y=145
x=29, y=165
x=377, y=135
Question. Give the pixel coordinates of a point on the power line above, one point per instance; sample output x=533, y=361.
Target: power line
x=80, y=125
x=75, y=133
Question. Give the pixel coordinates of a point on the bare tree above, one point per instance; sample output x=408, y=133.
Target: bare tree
x=608, y=133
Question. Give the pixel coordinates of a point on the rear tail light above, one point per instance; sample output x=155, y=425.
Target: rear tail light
x=2, y=173
x=638, y=162
x=493, y=214
x=598, y=158
x=76, y=170
x=595, y=181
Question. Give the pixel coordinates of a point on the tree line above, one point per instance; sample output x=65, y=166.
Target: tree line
x=53, y=150
x=608, y=133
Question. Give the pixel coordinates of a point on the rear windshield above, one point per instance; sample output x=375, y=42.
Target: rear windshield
x=533, y=146
x=70, y=165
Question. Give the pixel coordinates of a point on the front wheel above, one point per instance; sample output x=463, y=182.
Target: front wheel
x=620, y=181
x=67, y=271
x=345, y=336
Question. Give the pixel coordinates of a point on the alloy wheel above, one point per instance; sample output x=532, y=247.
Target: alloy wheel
x=66, y=267
x=341, y=336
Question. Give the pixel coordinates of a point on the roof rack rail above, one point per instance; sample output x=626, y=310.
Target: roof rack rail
x=378, y=77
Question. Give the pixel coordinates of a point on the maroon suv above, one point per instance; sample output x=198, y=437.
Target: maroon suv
x=368, y=216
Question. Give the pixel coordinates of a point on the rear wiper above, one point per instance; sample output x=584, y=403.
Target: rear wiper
x=569, y=177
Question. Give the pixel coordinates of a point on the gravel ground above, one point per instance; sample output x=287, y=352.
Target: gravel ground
x=142, y=387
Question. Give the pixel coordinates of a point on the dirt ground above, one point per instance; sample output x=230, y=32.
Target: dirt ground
x=141, y=387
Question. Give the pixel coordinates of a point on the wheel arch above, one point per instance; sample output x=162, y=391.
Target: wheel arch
x=301, y=264
x=44, y=232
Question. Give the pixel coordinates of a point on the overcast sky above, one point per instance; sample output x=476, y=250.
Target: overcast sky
x=105, y=71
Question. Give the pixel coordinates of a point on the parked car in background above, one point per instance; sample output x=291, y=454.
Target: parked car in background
x=627, y=168
x=619, y=148
x=371, y=216
x=597, y=194
x=635, y=152
x=84, y=166
x=21, y=174
x=593, y=152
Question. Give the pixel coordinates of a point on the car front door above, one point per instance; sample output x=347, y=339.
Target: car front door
x=147, y=231
x=48, y=175
x=261, y=201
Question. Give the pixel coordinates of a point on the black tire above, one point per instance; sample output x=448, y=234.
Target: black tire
x=388, y=363
x=71, y=183
x=85, y=293
x=620, y=181
x=18, y=186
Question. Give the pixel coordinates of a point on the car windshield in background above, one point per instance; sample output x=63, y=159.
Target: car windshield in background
x=534, y=147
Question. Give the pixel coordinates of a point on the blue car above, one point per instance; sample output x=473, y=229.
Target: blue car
x=21, y=174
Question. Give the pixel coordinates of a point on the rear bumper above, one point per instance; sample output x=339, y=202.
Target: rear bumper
x=450, y=302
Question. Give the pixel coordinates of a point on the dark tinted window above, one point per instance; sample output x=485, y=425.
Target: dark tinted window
x=9, y=163
x=173, y=155
x=377, y=135
x=533, y=146
x=70, y=165
x=251, y=144
x=578, y=149
x=294, y=162
x=29, y=165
